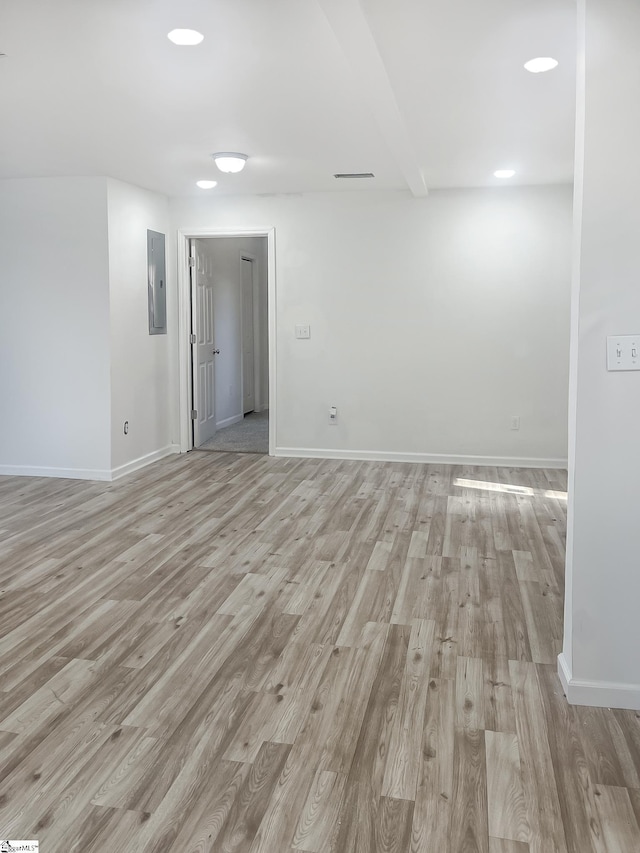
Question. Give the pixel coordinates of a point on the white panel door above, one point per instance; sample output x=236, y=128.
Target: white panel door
x=248, y=372
x=204, y=351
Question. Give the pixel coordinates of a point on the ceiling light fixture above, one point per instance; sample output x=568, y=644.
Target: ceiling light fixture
x=230, y=161
x=540, y=64
x=206, y=185
x=187, y=38
x=504, y=173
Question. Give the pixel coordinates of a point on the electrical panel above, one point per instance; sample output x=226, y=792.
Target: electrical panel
x=157, y=283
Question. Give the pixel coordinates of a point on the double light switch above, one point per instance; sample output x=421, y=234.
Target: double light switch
x=623, y=352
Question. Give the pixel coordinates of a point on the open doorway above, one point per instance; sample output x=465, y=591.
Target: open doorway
x=225, y=290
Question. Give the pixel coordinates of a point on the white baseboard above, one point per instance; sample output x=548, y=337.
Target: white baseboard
x=62, y=473
x=89, y=473
x=429, y=458
x=598, y=694
x=143, y=461
x=229, y=421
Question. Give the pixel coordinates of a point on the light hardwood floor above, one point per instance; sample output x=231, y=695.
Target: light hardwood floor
x=240, y=653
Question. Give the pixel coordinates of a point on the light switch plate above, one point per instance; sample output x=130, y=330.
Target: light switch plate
x=623, y=352
x=303, y=331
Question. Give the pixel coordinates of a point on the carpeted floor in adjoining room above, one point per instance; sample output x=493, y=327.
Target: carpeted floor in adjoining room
x=250, y=435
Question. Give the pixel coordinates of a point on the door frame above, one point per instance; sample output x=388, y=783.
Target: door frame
x=184, y=324
x=257, y=385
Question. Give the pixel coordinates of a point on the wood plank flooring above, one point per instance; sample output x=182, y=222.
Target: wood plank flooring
x=238, y=653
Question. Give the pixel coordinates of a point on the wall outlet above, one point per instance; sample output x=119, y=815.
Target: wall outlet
x=303, y=331
x=333, y=415
x=515, y=421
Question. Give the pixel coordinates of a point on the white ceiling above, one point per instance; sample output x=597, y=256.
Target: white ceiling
x=424, y=93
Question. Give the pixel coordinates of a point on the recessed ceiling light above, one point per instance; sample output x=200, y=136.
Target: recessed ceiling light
x=504, y=173
x=230, y=161
x=206, y=185
x=541, y=63
x=185, y=37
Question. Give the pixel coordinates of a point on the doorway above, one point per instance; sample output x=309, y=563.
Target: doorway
x=226, y=292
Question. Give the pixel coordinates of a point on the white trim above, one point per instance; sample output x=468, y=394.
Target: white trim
x=597, y=694
x=272, y=342
x=184, y=343
x=143, y=461
x=63, y=473
x=564, y=673
x=89, y=473
x=184, y=347
x=255, y=274
x=234, y=419
x=432, y=458
x=574, y=326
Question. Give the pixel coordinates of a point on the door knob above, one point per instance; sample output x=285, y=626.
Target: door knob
x=216, y=352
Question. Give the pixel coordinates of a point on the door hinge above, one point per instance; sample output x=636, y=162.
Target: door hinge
x=192, y=262
x=194, y=414
x=192, y=339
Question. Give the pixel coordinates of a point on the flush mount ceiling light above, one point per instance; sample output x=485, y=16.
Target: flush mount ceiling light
x=206, y=185
x=504, y=173
x=230, y=161
x=187, y=38
x=540, y=64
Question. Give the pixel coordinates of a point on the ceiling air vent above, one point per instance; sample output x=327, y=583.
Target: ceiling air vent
x=342, y=175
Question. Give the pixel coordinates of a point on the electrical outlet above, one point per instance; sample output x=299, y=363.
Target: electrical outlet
x=303, y=331
x=333, y=415
x=515, y=421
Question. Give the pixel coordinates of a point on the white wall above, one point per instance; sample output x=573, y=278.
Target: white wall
x=600, y=663
x=76, y=359
x=432, y=320
x=139, y=361
x=54, y=329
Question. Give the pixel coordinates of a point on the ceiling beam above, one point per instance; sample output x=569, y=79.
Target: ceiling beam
x=351, y=28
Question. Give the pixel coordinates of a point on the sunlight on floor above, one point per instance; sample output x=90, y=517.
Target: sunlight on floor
x=524, y=491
